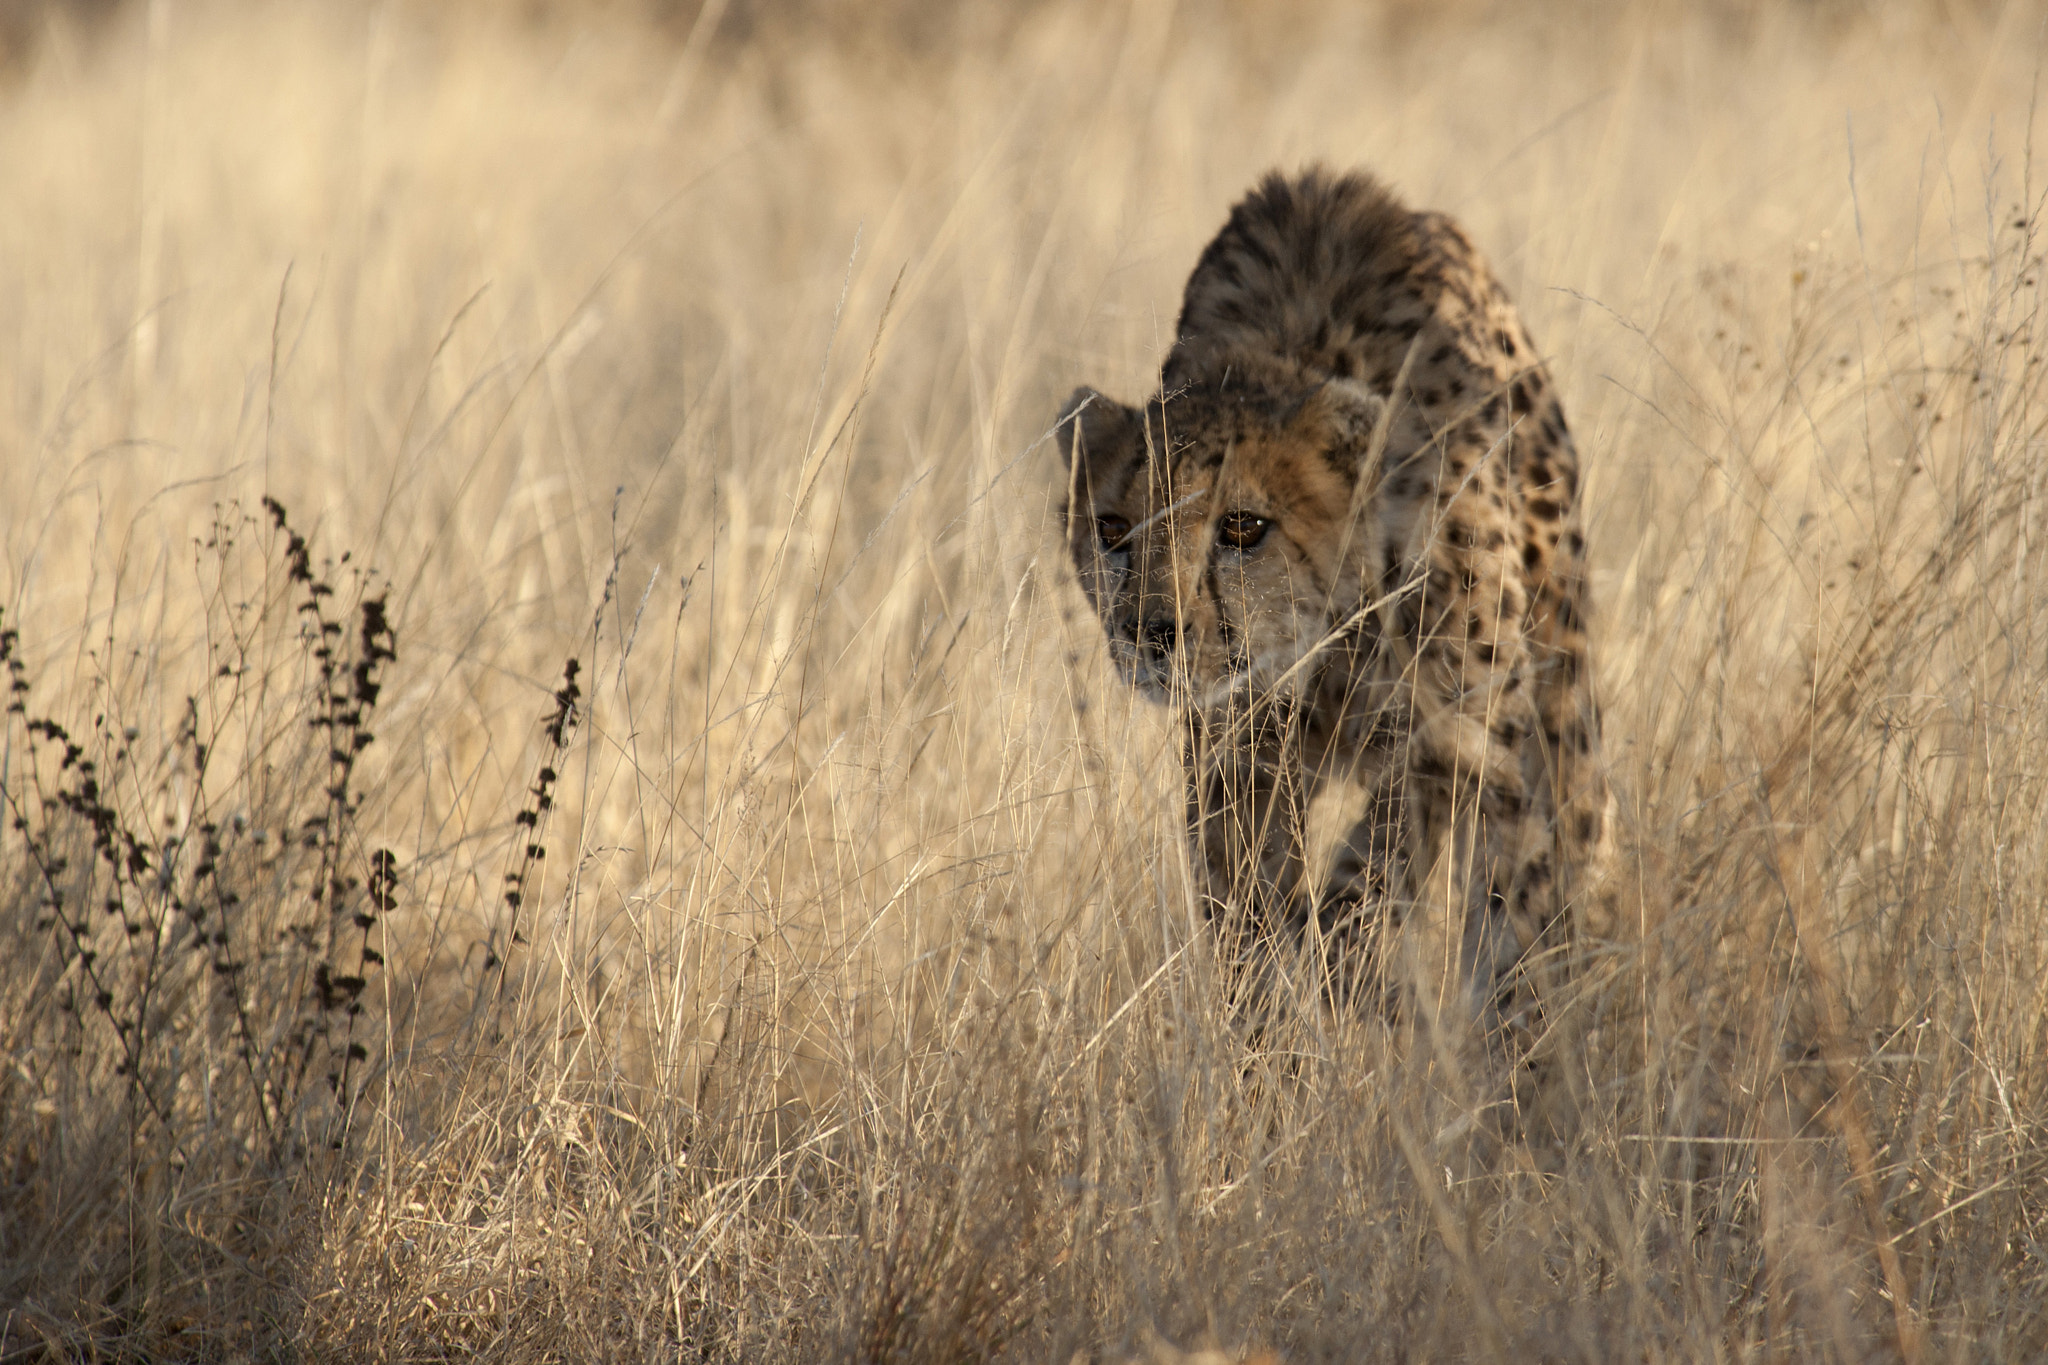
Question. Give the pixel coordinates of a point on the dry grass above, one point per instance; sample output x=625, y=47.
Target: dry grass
x=852, y=1005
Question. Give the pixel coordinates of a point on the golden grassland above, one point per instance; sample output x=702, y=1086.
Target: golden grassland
x=819, y=979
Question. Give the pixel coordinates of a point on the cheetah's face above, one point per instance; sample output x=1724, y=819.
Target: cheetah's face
x=1211, y=529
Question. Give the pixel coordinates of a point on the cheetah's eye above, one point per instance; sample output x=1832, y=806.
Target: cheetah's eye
x=1111, y=531
x=1242, y=530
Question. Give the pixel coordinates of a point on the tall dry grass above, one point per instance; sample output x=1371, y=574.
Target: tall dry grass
x=819, y=979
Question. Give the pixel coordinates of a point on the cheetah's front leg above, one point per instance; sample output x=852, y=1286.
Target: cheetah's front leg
x=1246, y=811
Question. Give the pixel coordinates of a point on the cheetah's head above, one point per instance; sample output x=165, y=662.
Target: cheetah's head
x=1212, y=528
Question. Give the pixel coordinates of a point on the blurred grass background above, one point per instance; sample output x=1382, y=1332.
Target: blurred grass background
x=852, y=1006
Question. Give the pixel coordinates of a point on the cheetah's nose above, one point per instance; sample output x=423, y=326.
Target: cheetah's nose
x=1160, y=635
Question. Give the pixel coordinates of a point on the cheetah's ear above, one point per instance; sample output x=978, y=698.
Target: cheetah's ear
x=1094, y=430
x=1342, y=415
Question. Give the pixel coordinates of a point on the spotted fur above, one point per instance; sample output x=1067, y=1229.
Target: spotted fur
x=1343, y=540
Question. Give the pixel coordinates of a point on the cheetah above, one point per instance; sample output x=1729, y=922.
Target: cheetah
x=1343, y=541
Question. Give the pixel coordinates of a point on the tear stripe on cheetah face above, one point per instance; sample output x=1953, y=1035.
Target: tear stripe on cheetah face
x=1343, y=540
